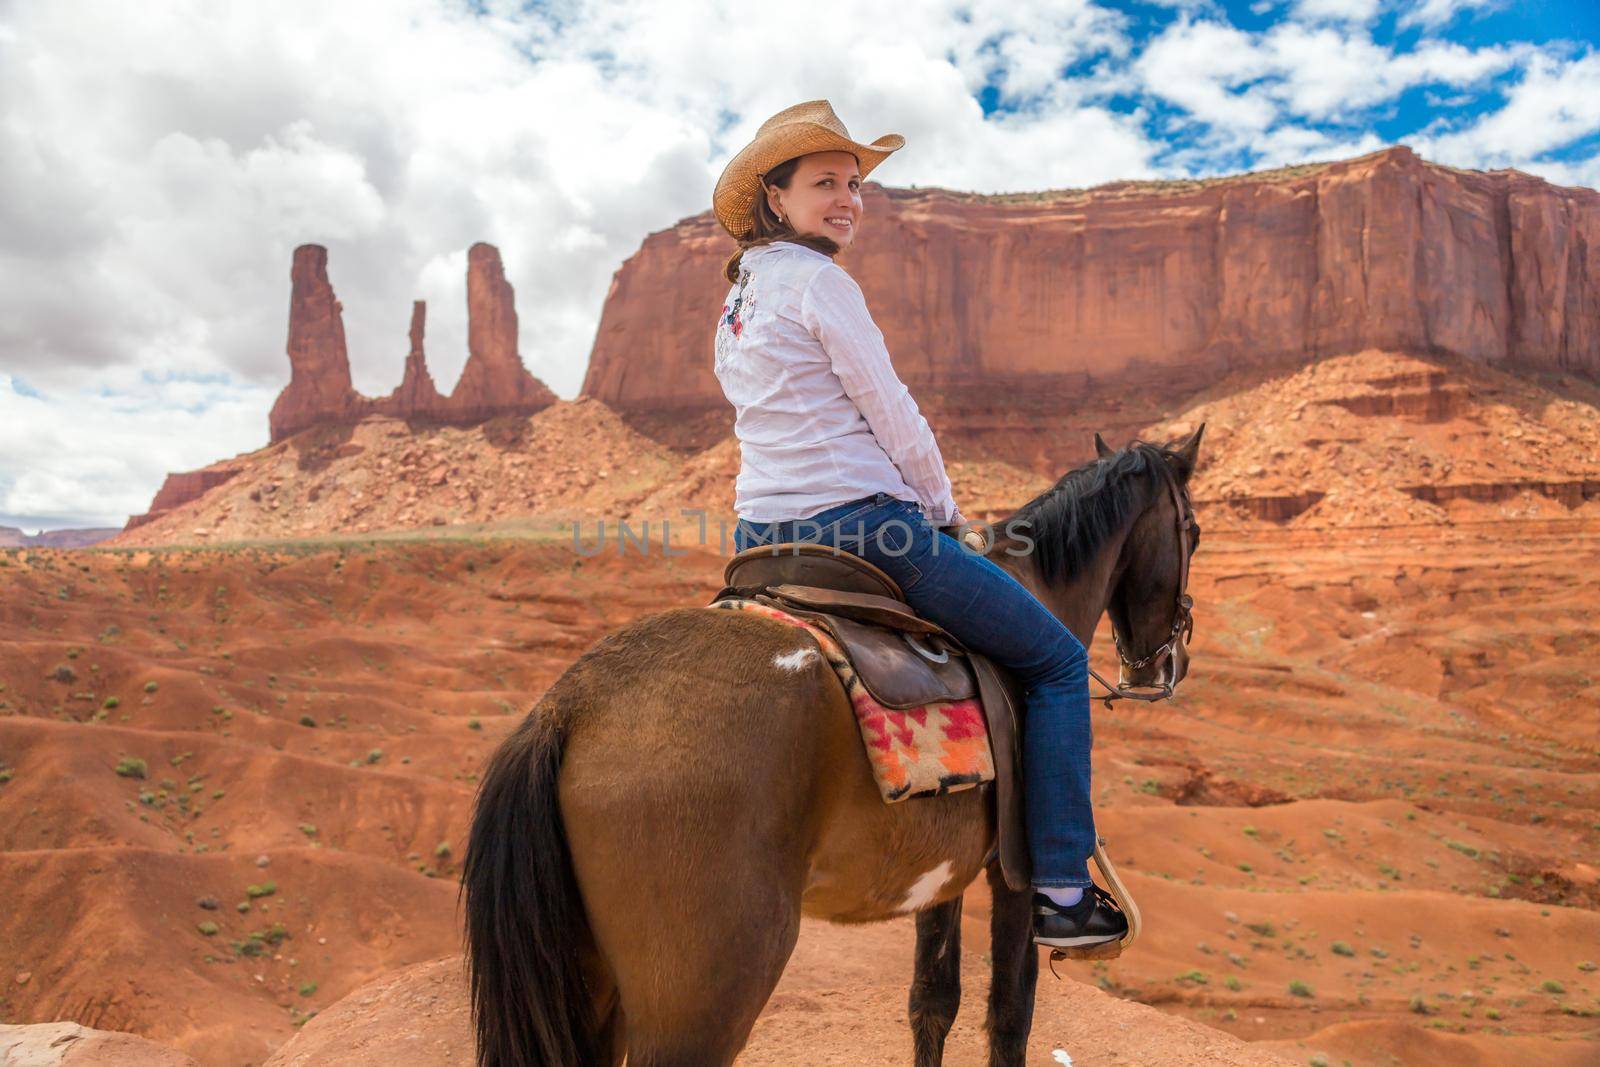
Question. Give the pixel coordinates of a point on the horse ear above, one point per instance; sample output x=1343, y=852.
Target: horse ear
x=1189, y=452
x=1101, y=449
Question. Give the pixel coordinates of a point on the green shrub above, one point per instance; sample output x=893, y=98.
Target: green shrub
x=306, y=720
x=110, y=703
x=264, y=890
x=149, y=687
x=1300, y=989
x=132, y=767
x=1339, y=948
x=208, y=928
x=1550, y=985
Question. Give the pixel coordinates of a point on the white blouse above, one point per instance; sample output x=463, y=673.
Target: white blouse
x=822, y=418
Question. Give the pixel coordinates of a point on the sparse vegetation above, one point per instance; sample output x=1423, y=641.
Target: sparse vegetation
x=132, y=767
x=1298, y=988
x=1340, y=948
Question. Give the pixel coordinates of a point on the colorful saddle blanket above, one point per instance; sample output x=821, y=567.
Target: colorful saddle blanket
x=923, y=751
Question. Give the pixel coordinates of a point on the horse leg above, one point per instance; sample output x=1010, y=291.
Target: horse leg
x=1016, y=972
x=936, y=984
x=735, y=950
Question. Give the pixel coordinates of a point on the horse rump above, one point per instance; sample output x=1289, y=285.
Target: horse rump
x=525, y=922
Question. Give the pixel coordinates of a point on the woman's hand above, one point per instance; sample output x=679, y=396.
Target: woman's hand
x=974, y=539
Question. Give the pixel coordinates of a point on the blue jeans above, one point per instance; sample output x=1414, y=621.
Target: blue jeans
x=991, y=612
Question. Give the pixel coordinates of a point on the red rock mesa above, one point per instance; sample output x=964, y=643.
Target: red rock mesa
x=1163, y=286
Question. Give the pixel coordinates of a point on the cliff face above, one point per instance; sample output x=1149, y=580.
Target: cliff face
x=494, y=381
x=1160, y=286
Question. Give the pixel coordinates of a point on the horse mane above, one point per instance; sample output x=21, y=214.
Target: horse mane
x=1072, y=520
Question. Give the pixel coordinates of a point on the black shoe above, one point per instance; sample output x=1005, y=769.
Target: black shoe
x=1094, y=920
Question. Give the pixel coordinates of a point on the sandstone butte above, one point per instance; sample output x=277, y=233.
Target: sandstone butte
x=320, y=393
x=1158, y=286
x=1006, y=313
x=493, y=382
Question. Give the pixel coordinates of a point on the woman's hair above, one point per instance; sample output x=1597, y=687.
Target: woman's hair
x=767, y=227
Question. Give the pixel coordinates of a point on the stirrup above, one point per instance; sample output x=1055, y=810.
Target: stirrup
x=1119, y=898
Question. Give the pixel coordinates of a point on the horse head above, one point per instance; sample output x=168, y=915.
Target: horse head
x=1149, y=603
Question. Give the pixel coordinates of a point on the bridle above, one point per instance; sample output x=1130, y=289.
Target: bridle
x=1182, y=616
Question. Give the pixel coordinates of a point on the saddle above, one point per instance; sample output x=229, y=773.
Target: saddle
x=905, y=661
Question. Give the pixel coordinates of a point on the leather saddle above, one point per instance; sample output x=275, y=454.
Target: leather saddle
x=903, y=659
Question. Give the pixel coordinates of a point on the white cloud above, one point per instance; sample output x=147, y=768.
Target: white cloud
x=1199, y=64
x=1240, y=85
x=1337, y=10
x=123, y=436
x=1556, y=102
x=1432, y=14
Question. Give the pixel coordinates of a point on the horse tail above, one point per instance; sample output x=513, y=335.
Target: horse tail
x=526, y=928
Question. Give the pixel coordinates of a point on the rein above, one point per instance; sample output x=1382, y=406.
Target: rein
x=1182, y=618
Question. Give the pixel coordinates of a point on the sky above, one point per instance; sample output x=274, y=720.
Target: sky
x=160, y=161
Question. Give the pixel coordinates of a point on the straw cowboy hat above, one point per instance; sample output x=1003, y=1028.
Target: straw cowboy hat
x=794, y=131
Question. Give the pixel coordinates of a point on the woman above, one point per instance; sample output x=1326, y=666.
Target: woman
x=835, y=451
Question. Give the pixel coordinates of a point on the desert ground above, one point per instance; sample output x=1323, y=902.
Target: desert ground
x=236, y=781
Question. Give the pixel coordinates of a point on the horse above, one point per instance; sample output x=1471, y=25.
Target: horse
x=644, y=843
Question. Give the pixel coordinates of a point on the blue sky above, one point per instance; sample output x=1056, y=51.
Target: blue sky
x=159, y=163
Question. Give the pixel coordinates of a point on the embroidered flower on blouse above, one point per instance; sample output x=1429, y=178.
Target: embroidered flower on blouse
x=743, y=302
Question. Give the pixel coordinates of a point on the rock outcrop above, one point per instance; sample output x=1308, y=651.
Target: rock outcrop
x=1159, y=287
x=183, y=486
x=416, y=391
x=319, y=388
x=494, y=381
x=68, y=1044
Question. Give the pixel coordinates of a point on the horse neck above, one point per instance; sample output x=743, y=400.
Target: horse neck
x=1080, y=598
